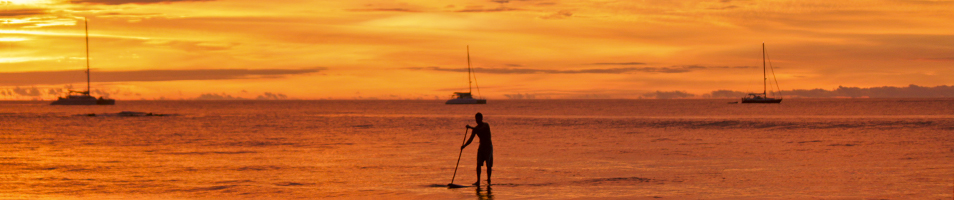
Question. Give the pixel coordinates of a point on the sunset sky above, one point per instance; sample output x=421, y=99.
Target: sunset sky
x=416, y=49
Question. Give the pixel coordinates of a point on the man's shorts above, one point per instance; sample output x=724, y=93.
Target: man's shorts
x=485, y=155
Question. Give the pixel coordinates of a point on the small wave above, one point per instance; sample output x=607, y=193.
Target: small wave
x=616, y=180
x=289, y=184
x=126, y=114
x=210, y=188
x=523, y=184
x=843, y=145
x=210, y=152
x=258, y=143
x=259, y=168
x=234, y=181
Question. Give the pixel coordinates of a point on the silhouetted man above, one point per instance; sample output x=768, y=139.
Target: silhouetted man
x=485, y=152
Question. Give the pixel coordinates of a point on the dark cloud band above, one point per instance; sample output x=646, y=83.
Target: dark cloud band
x=74, y=76
x=119, y=2
x=620, y=63
x=22, y=12
x=621, y=70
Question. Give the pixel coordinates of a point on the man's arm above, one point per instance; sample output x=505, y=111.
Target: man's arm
x=472, y=134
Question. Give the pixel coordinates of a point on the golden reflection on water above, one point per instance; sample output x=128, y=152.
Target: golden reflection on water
x=295, y=150
x=484, y=194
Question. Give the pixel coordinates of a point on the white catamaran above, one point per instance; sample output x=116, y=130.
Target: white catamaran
x=84, y=97
x=763, y=98
x=467, y=97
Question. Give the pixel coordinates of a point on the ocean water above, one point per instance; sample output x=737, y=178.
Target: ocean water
x=544, y=149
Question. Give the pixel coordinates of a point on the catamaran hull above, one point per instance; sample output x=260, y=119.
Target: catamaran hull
x=74, y=102
x=84, y=101
x=106, y=102
x=744, y=100
x=466, y=101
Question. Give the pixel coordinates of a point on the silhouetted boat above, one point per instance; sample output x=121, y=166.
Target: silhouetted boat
x=763, y=98
x=83, y=97
x=467, y=97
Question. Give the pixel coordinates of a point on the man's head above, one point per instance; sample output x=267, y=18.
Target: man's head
x=479, y=117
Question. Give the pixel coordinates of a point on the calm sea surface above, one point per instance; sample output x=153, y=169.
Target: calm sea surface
x=544, y=149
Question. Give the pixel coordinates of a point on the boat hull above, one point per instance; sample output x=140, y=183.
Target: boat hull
x=74, y=102
x=466, y=101
x=768, y=100
x=105, y=102
x=83, y=101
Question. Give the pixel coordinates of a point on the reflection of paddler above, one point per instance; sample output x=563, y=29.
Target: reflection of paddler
x=485, y=152
x=485, y=195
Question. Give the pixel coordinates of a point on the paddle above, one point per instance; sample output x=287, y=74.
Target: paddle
x=452, y=185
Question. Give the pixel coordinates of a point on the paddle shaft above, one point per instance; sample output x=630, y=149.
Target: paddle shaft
x=458, y=156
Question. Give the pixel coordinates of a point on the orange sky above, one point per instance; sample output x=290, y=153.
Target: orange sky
x=416, y=49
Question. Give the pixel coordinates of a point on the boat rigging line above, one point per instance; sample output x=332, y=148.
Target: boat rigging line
x=773, y=73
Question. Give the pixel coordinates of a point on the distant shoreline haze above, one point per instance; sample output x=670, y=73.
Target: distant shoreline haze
x=911, y=91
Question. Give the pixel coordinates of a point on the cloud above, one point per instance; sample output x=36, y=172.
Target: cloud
x=213, y=96
x=563, y=14
x=22, y=12
x=119, y=2
x=672, y=69
x=941, y=59
x=589, y=96
x=668, y=95
x=724, y=94
x=384, y=10
x=478, y=9
x=225, y=96
x=532, y=71
x=620, y=63
x=55, y=91
x=911, y=91
x=73, y=76
x=521, y=96
x=31, y=92
x=271, y=96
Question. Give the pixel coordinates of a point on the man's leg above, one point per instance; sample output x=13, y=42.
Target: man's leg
x=490, y=166
x=480, y=162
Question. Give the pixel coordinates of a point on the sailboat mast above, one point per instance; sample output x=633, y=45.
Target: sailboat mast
x=86, y=23
x=470, y=88
x=764, y=78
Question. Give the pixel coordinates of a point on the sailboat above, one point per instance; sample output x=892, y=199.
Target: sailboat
x=467, y=97
x=763, y=97
x=83, y=97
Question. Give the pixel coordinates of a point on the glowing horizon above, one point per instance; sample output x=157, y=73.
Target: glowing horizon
x=179, y=49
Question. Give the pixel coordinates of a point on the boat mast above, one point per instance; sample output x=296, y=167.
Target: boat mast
x=764, y=78
x=86, y=23
x=470, y=88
